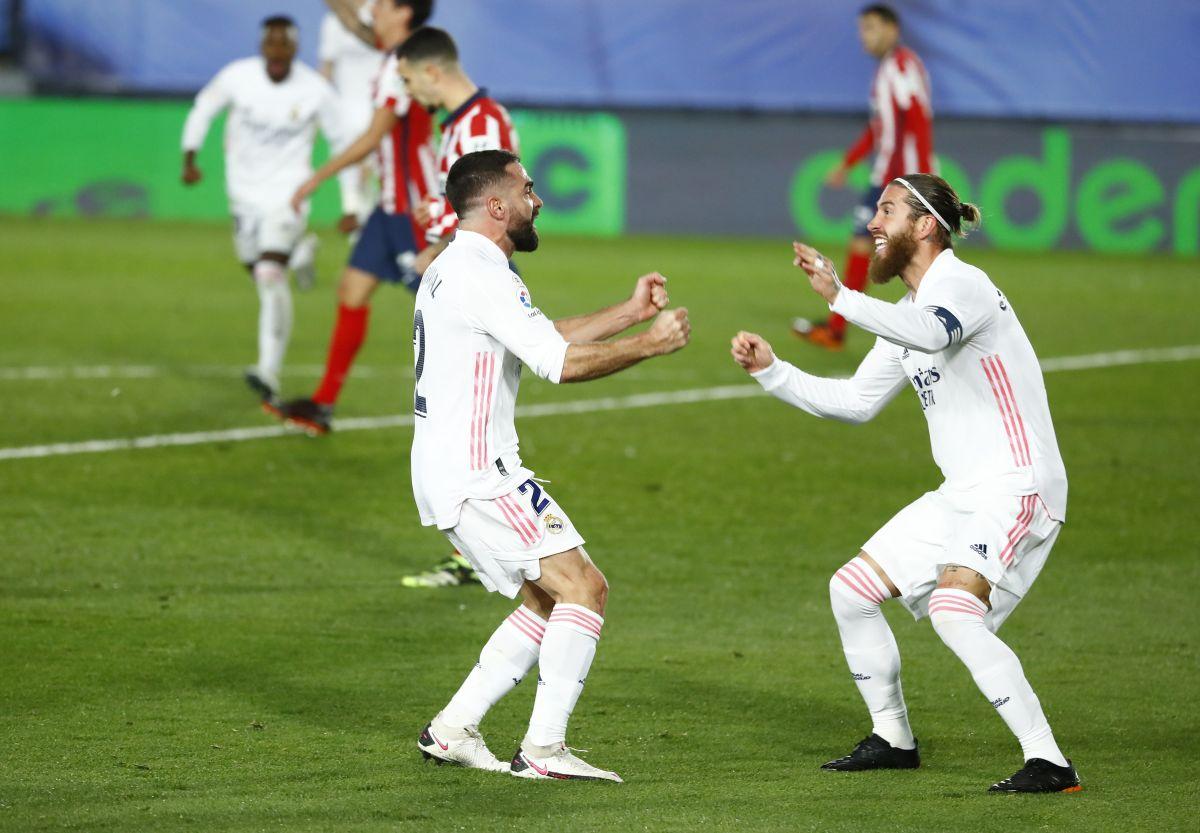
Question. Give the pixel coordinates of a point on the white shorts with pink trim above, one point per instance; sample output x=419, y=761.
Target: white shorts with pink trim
x=505, y=538
x=1005, y=538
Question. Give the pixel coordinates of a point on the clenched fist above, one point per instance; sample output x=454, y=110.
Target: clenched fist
x=752, y=352
x=649, y=296
x=670, y=330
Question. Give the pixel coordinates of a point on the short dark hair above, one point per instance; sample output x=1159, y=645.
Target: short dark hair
x=473, y=174
x=887, y=13
x=428, y=44
x=421, y=10
x=945, y=202
x=281, y=21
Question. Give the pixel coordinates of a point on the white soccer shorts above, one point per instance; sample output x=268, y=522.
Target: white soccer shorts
x=505, y=538
x=1005, y=538
x=257, y=231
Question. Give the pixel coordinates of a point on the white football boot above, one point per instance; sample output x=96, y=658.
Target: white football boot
x=464, y=747
x=556, y=761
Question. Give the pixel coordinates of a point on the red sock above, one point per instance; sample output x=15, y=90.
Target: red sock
x=348, y=335
x=856, y=278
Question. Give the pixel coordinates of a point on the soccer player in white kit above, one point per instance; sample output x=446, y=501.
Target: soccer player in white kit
x=965, y=554
x=351, y=66
x=275, y=104
x=475, y=328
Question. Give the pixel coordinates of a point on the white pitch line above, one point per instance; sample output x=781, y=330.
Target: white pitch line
x=1119, y=358
x=146, y=371
x=579, y=406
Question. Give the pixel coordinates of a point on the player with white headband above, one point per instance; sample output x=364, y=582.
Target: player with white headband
x=966, y=553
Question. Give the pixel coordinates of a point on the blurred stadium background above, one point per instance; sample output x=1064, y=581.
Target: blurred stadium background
x=1070, y=122
x=212, y=636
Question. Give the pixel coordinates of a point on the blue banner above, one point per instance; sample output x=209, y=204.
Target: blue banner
x=1068, y=59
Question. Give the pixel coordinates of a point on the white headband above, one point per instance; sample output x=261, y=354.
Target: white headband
x=924, y=202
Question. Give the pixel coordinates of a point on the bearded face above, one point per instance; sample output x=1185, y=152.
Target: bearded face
x=522, y=233
x=895, y=253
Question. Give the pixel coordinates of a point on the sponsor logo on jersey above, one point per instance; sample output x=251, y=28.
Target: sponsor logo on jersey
x=554, y=524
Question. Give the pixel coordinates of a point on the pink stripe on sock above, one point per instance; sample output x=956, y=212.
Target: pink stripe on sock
x=579, y=610
x=865, y=574
x=946, y=607
x=961, y=596
x=574, y=618
x=529, y=622
x=853, y=585
x=525, y=629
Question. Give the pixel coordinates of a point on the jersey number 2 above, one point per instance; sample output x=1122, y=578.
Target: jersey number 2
x=420, y=407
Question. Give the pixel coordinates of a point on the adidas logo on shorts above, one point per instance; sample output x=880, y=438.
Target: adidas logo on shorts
x=980, y=548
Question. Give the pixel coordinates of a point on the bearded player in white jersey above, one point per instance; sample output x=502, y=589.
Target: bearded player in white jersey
x=475, y=328
x=965, y=554
x=275, y=104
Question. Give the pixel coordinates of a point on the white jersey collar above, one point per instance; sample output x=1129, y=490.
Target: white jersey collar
x=475, y=240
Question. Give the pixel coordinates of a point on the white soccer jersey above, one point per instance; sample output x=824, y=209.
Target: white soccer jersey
x=474, y=326
x=959, y=344
x=355, y=66
x=269, y=131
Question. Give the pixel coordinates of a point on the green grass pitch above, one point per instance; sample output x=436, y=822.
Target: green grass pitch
x=214, y=637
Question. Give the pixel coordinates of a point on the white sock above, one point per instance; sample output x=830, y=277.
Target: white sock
x=274, y=316
x=855, y=592
x=957, y=616
x=503, y=662
x=567, y=652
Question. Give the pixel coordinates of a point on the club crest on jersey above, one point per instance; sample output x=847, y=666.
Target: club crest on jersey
x=554, y=524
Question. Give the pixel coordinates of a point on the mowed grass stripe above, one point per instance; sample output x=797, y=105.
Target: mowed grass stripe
x=1116, y=358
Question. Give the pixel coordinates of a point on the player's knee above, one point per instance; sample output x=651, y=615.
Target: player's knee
x=596, y=586
x=856, y=590
x=955, y=614
x=348, y=296
x=355, y=288
x=268, y=270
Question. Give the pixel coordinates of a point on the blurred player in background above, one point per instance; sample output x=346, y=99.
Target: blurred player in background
x=275, y=104
x=900, y=131
x=475, y=327
x=428, y=62
x=389, y=242
x=966, y=554
x=351, y=65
